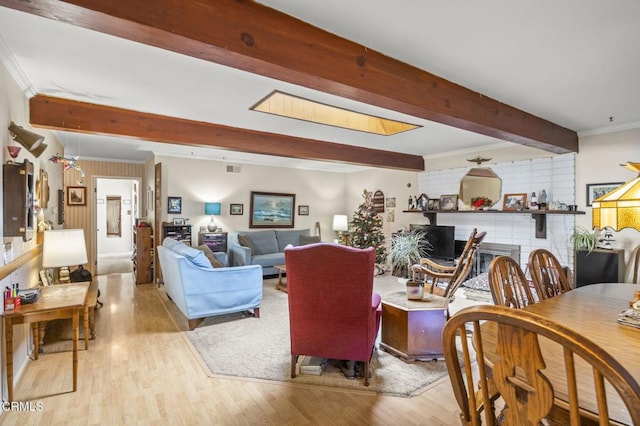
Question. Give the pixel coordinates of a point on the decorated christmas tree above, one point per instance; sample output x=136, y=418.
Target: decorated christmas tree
x=367, y=228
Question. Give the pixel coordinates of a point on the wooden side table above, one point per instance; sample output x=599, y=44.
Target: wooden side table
x=56, y=302
x=282, y=269
x=412, y=329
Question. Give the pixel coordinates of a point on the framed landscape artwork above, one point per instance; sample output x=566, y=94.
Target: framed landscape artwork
x=303, y=210
x=272, y=210
x=236, y=209
x=597, y=190
x=77, y=195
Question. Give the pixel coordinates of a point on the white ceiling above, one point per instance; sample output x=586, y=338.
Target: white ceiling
x=575, y=63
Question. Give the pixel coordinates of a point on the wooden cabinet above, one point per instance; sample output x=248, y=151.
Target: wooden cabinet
x=177, y=232
x=217, y=241
x=599, y=266
x=17, y=189
x=143, y=254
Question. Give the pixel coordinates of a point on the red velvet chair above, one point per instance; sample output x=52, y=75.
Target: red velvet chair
x=333, y=312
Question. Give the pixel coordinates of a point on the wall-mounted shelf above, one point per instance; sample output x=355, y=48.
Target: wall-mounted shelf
x=540, y=216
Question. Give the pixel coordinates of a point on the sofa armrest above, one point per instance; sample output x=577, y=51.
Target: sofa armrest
x=240, y=256
x=221, y=256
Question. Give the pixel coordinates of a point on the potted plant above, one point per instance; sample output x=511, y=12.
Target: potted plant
x=584, y=239
x=407, y=248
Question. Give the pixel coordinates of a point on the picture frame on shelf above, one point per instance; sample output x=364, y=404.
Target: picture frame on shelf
x=449, y=202
x=76, y=195
x=174, y=205
x=303, y=210
x=271, y=210
x=236, y=209
x=178, y=221
x=514, y=202
x=597, y=190
x=433, y=204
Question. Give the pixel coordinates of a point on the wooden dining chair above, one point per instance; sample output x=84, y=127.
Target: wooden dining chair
x=546, y=273
x=525, y=395
x=444, y=280
x=509, y=286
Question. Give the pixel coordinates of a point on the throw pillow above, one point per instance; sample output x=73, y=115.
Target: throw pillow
x=245, y=241
x=195, y=256
x=215, y=263
x=309, y=239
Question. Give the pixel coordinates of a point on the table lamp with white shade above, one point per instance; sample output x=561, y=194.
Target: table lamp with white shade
x=341, y=226
x=63, y=248
x=212, y=209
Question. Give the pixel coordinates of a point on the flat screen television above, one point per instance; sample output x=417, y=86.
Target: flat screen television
x=442, y=239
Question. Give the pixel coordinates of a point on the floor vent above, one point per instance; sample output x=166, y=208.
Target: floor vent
x=233, y=169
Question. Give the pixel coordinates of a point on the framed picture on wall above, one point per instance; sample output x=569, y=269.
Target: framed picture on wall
x=236, y=209
x=174, y=205
x=303, y=210
x=597, y=190
x=76, y=195
x=272, y=210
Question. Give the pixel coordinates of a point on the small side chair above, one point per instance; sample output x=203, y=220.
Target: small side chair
x=547, y=274
x=509, y=285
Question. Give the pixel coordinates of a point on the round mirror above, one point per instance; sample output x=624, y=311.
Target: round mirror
x=480, y=182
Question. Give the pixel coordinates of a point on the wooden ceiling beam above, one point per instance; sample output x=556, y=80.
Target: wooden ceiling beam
x=82, y=117
x=251, y=37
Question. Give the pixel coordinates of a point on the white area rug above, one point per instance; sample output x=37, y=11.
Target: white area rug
x=243, y=346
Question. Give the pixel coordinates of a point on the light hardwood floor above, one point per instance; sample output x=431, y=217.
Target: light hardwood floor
x=140, y=370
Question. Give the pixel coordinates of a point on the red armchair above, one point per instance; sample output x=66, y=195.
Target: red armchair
x=333, y=312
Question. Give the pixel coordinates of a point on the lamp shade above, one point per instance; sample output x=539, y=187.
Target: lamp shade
x=64, y=247
x=24, y=137
x=619, y=208
x=212, y=209
x=340, y=222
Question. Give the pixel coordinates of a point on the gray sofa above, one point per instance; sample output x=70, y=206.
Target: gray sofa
x=268, y=247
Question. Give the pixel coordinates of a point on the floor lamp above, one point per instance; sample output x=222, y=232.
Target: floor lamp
x=63, y=248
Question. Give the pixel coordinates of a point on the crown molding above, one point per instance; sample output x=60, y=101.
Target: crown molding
x=9, y=60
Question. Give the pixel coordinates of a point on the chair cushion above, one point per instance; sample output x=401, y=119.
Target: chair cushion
x=245, y=241
x=196, y=256
x=264, y=242
x=215, y=263
x=309, y=239
x=290, y=237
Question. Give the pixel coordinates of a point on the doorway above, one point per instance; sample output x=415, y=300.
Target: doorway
x=117, y=206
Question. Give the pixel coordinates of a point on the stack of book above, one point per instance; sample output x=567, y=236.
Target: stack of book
x=313, y=365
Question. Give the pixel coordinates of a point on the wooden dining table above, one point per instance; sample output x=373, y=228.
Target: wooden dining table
x=592, y=311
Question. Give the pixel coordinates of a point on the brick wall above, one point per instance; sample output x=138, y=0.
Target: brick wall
x=556, y=175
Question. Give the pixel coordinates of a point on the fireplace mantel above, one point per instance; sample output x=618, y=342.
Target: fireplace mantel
x=540, y=216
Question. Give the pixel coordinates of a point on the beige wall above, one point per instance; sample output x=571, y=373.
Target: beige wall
x=200, y=181
x=599, y=162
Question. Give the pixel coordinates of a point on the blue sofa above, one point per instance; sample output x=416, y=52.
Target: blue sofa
x=268, y=247
x=199, y=290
